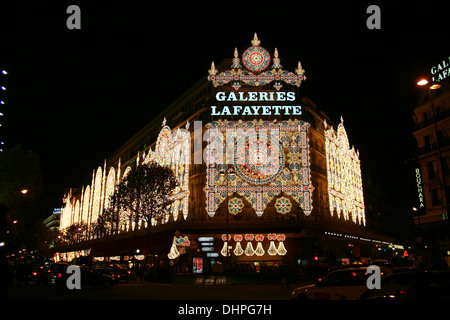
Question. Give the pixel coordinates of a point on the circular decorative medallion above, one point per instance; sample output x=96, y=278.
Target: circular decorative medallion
x=258, y=158
x=256, y=58
x=283, y=205
x=235, y=206
x=259, y=163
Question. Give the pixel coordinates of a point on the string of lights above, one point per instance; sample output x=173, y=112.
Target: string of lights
x=2, y=103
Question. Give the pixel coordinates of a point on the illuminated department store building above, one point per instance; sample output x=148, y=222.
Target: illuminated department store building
x=264, y=177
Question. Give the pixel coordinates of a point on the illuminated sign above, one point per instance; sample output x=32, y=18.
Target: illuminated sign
x=197, y=265
x=420, y=189
x=441, y=71
x=258, y=110
x=212, y=255
x=255, y=69
x=255, y=96
x=205, y=239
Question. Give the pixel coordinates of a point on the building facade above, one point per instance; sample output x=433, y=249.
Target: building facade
x=265, y=178
x=432, y=129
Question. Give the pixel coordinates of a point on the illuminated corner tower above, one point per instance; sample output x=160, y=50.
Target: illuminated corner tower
x=345, y=190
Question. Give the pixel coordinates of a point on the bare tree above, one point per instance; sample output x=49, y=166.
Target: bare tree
x=73, y=234
x=143, y=195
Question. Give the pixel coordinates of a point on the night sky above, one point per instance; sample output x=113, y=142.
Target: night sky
x=75, y=96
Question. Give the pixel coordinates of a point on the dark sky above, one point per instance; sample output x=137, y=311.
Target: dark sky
x=74, y=96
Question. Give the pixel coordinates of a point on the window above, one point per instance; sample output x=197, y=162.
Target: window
x=445, y=165
x=432, y=170
x=435, y=197
x=426, y=141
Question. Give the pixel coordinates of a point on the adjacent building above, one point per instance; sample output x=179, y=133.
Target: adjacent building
x=432, y=171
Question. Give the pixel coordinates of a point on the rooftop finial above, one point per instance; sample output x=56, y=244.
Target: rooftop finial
x=236, y=63
x=300, y=70
x=213, y=70
x=276, y=60
x=255, y=40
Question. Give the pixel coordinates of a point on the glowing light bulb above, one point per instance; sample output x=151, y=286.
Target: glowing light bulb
x=422, y=82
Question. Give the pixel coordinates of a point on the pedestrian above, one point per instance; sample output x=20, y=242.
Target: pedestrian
x=284, y=278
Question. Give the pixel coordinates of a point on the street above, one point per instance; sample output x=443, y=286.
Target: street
x=152, y=291
x=178, y=300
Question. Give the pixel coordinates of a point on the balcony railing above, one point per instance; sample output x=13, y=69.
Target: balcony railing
x=439, y=116
x=443, y=142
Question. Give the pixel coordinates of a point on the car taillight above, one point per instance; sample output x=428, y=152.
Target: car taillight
x=129, y=272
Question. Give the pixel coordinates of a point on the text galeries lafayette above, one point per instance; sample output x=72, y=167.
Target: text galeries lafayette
x=255, y=110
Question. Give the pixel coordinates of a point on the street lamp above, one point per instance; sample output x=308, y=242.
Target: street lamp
x=225, y=174
x=424, y=82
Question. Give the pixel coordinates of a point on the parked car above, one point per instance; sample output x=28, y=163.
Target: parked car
x=41, y=275
x=412, y=285
x=118, y=271
x=57, y=274
x=110, y=272
x=94, y=278
x=342, y=284
x=125, y=273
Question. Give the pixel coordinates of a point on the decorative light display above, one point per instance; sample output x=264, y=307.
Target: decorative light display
x=238, y=251
x=259, y=251
x=178, y=242
x=66, y=212
x=235, y=206
x=256, y=160
x=110, y=185
x=225, y=250
x=256, y=59
x=344, y=176
x=86, y=204
x=69, y=256
x=283, y=205
x=97, y=195
x=172, y=149
x=249, y=251
x=249, y=248
x=263, y=167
